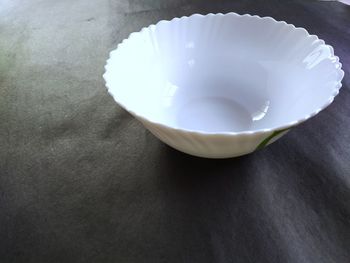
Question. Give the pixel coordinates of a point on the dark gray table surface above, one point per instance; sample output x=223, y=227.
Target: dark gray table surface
x=83, y=181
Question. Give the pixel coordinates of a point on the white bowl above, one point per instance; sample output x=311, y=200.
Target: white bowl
x=222, y=85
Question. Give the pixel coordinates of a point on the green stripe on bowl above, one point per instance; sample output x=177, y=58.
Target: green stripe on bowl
x=266, y=141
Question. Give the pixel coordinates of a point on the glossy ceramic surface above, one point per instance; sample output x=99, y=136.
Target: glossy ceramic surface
x=222, y=85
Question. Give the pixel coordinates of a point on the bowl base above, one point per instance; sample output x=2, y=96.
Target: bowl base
x=214, y=114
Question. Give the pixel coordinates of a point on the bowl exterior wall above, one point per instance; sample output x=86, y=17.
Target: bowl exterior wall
x=213, y=145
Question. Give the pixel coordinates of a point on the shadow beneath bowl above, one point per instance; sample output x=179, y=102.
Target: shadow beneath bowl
x=181, y=165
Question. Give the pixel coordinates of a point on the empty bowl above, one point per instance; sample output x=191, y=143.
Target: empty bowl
x=222, y=85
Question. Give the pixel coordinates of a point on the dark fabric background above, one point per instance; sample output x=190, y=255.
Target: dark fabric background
x=83, y=181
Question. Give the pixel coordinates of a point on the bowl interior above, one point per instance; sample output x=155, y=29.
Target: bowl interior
x=223, y=73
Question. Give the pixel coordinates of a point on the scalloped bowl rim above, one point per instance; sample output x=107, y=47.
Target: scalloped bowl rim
x=246, y=132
